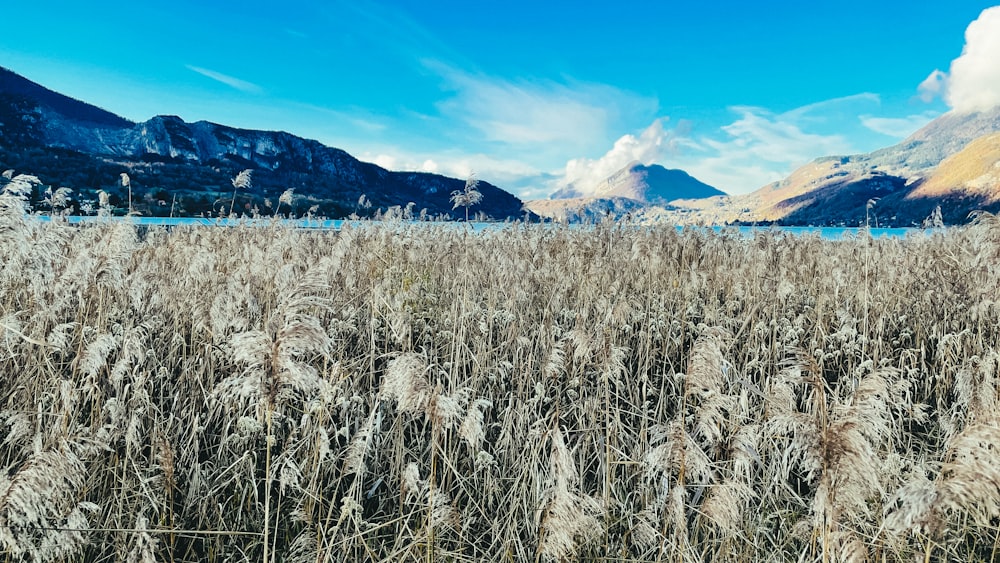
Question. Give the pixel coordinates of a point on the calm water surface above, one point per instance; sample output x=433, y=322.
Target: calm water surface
x=829, y=233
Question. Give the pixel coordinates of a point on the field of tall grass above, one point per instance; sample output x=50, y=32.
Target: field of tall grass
x=418, y=392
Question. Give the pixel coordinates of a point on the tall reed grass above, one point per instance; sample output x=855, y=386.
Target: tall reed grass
x=410, y=392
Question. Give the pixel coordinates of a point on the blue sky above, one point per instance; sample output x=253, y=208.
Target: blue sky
x=529, y=95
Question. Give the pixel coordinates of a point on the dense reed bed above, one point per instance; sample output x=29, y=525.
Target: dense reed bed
x=411, y=392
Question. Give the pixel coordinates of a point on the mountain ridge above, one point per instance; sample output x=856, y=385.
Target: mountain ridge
x=71, y=143
x=902, y=184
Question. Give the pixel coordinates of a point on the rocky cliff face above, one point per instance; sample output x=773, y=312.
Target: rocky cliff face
x=74, y=144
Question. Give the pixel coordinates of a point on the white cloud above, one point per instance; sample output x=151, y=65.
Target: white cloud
x=761, y=135
x=898, y=127
x=757, y=148
x=386, y=161
x=821, y=111
x=652, y=144
x=511, y=174
x=973, y=81
x=933, y=86
x=241, y=85
x=535, y=113
x=761, y=147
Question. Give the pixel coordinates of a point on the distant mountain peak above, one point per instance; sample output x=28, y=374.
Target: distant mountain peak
x=648, y=184
x=636, y=192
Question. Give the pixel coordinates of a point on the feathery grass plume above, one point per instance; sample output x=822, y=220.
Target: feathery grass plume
x=803, y=450
x=57, y=201
x=969, y=483
x=127, y=184
x=289, y=474
x=725, y=504
x=144, y=545
x=567, y=520
x=405, y=382
x=15, y=231
x=21, y=186
x=964, y=498
x=837, y=447
x=286, y=198
x=976, y=390
x=847, y=547
x=555, y=362
x=852, y=443
x=468, y=196
x=241, y=181
x=411, y=483
x=234, y=310
x=745, y=451
x=275, y=372
x=911, y=508
x=42, y=515
x=303, y=548
x=95, y=357
x=104, y=202
x=471, y=429
x=706, y=387
x=357, y=450
x=644, y=532
x=441, y=511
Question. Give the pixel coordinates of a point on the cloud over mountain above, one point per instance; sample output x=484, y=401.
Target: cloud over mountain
x=651, y=145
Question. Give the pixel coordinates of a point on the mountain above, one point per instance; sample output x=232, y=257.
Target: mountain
x=187, y=168
x=973, y=171
x=14, y=87
x=651, y=184
x=636, y=191
x=952, y=162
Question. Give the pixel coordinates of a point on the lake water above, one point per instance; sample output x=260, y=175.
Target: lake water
x=829, y=233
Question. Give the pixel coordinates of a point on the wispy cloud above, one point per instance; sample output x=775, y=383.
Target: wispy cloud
x=527, y=113
x=822, y=110
x=973, y=80
x=355, y=117
x=388, y=27
x=898, y=127
x=232, y=82
x=762, y=147
x=509, y=173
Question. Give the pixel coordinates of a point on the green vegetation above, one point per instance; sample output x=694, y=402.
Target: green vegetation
x=410, y=391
